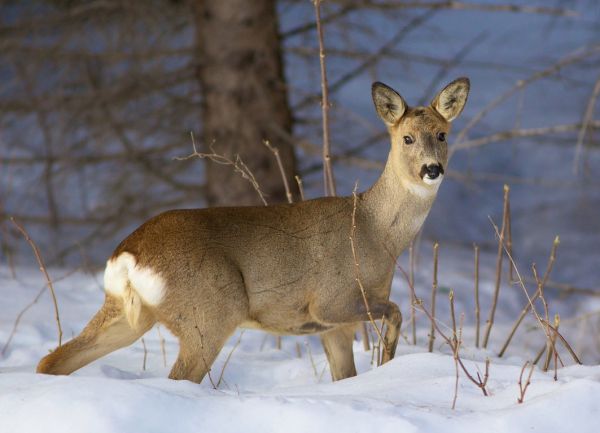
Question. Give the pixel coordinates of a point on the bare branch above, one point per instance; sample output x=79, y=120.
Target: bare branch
x=587, y=119
x=328, y=179
x=27, y=307
x=575, y=57
x=300, y=187
x=434, y=286
x=477, y=309
x=145, y=354
x=42, y=268
x=490, y=321
x=286, y=185
x=523, y=388
x=413, y=296
x=546, y=327
x=238, y=165
x=235, y=346
x=523, y=133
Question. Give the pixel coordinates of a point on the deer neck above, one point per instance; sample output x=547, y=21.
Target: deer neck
x=396, y=207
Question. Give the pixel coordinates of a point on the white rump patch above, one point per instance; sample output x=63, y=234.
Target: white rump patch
x=122, y=274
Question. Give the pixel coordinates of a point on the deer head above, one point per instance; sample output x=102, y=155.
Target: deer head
x=419, y=151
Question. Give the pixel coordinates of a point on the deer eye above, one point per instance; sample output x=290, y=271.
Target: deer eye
x=441, y=136
x=408, y=140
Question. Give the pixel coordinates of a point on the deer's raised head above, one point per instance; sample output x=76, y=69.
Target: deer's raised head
x=419, y=151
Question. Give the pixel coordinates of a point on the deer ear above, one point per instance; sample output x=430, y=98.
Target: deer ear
x=452, y=99
x=389, y=104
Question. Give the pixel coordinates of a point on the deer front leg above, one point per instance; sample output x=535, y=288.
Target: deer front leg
x=338, y=348
x=393, y=320
x=348, y=313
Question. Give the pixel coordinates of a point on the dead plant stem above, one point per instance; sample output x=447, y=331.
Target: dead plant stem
x=434, y=287
x=235, y=346
x=328, y=179
x=490, y=321
x=42, y=268
x=477, y=308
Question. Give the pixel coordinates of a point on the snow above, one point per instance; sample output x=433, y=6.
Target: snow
x=268, y=390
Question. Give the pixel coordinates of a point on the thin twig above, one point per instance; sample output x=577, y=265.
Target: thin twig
x=587, y=118
x=413, y=296
x=452, y=313
x=310, y=357
x=546, y=327
x=477, y=309
x=540, y=288
x=4, y=244
x=290, y=200
x=365, y=336
x=522, y=133
x=27, y=307
x=458, y=342
x=434, y=287
x=540, y=353
x=235, y=346
x=509, y=244
x=328, y=179
x=300, y=187
x=523, y=388
x=552, y=352
x=373, y=57
x=238, y=165
x=574, y=57
x=490, y=321
x=42, y=268
x=438, y=5
x=286, y=185
x=208, y=367
x=556, y=324
x=456, y=369
x=479, y=382
x=162, y=346
x=145, y=354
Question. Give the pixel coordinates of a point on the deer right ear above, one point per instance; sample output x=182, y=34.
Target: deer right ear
x=389, y=104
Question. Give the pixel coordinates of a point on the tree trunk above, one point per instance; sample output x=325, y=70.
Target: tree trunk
x=244, y=98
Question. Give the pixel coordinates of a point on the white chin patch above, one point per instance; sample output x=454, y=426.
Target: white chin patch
x=435, y=181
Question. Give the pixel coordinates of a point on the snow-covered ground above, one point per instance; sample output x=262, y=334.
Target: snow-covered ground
x=263, y=389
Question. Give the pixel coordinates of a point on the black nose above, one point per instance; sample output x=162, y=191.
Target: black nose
x=433, y=170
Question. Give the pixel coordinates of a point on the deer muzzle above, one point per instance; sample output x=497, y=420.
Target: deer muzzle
x=431, y=173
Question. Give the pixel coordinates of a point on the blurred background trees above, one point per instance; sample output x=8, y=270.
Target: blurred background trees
x=98, y=97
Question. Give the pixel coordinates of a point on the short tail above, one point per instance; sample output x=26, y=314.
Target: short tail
x=132, y=306
x=135, y=285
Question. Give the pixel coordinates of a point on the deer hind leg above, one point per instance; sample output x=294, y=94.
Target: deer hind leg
x=200, y=341
x=338, y=348
x=197, y=352
x=108, y=331
x=207, y=316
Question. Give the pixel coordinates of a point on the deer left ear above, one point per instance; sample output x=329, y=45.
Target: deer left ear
x=452, y=99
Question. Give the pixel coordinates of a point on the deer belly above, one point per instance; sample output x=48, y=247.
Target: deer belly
x=294, y=328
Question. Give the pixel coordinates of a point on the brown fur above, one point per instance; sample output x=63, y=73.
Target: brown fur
x=286, y=269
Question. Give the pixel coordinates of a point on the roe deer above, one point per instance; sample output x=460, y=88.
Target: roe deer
x=285, y=269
